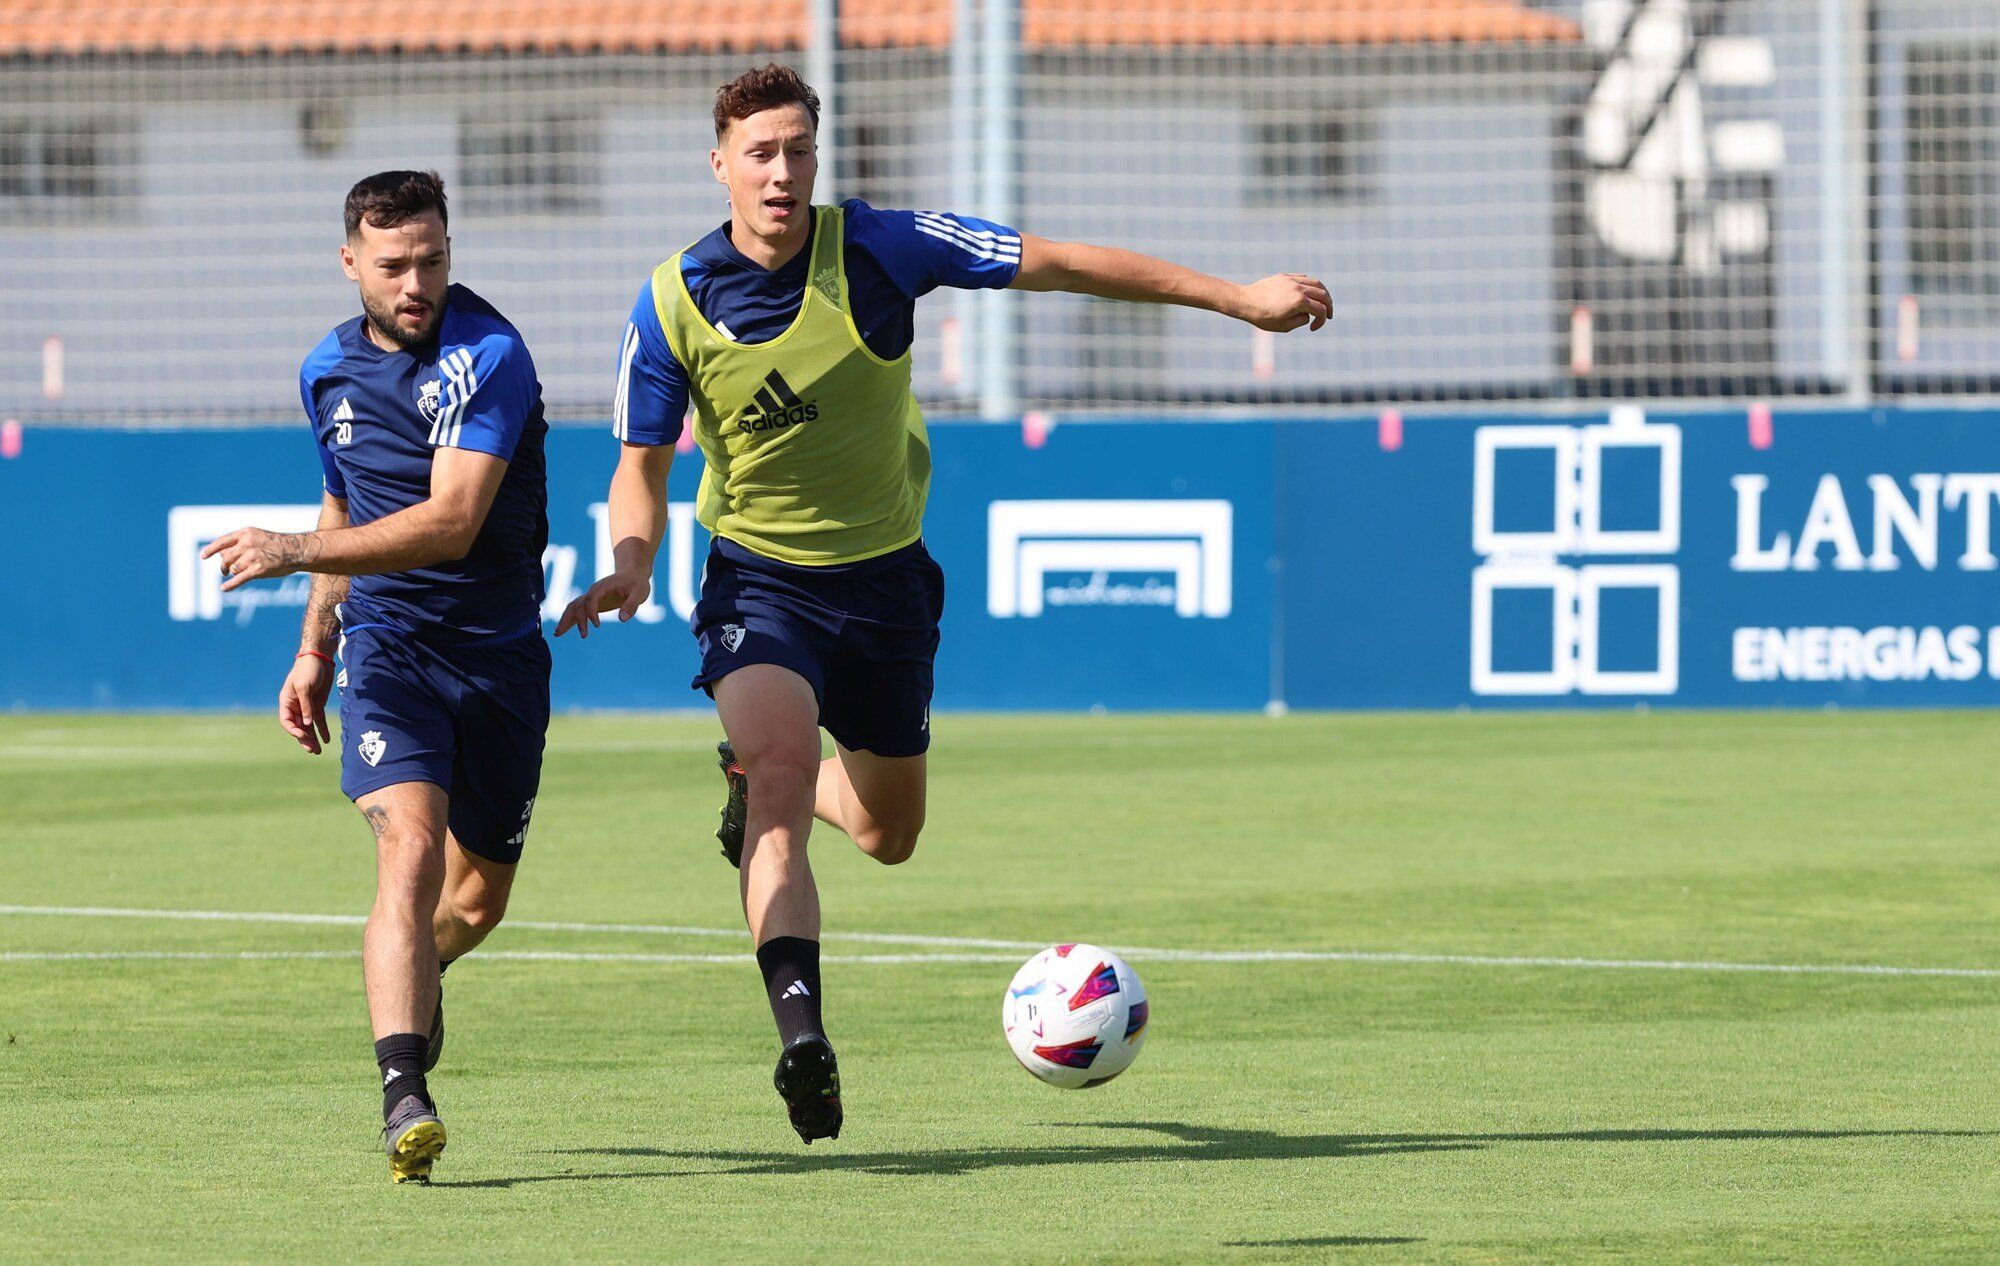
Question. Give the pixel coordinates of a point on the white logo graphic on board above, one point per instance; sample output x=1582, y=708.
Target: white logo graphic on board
x=1189, y=543
x=564, y=579
x=194, y=584
x=1541, y=558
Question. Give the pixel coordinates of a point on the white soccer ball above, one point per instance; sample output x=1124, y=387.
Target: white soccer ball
x=1075, y=1016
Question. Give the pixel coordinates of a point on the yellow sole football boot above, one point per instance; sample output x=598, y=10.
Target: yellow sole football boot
x=414, y=1138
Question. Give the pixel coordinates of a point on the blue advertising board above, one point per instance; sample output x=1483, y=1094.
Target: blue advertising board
x=1713, y=559
x=1694, y=559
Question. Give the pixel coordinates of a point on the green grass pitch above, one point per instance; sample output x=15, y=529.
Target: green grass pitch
x=617, y=1108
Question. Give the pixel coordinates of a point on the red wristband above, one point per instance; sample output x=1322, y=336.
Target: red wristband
x=316, y=655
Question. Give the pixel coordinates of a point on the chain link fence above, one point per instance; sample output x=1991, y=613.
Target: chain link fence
x=1513, y=203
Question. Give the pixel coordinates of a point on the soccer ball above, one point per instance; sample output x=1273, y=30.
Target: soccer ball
x=1075, y=1016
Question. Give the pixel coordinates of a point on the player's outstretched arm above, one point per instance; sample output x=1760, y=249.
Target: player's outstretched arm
x=638, y=510
x=437, y=529
x=1280, y=302
x=302, y=699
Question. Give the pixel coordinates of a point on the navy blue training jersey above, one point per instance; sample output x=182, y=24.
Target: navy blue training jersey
x=893, y=258
x=379, y=416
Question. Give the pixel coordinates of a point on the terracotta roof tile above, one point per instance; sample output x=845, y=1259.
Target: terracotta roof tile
x=1048, y=24
x=69, y=27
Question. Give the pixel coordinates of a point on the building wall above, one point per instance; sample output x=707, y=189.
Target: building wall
x=1441, y=273
x=210, y=275
x=216, y=274
x=1959, y=336
x=205, y=294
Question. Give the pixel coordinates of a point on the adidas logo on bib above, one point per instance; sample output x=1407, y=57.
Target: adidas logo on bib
x=775, y=407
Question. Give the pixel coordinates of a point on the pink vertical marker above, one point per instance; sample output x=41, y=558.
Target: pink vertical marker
x=1389, y=430
x=1035, y=428
x=1582, y=342
x=1760, y=426
x=10, y=439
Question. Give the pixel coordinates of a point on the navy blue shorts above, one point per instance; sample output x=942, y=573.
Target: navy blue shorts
x=469, y=719
x=864, y=634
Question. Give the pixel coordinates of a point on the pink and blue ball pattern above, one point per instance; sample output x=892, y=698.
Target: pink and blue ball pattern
x=1102, y=984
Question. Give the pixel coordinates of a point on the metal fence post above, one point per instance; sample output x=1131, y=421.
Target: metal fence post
x=965, y=179
x=1845, y=341
x=1000, y=103
x=823, y=73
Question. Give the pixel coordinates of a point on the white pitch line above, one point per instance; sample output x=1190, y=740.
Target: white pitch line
x=892, y=938
x=526, y=956
x=52, y=752
x=193, y=956
x=534, y=925
x=205, y=916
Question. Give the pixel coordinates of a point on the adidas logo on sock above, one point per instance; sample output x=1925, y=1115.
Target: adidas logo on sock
x=394, y=1073
x=797, y=989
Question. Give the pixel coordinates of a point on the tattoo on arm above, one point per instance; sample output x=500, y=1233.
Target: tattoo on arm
x=378, y=817
x=321, y=626
x=298, y=549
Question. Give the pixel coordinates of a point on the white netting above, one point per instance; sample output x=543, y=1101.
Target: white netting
x=1513, y=203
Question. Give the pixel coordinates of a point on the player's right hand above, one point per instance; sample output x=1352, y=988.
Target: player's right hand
x=616, y=592
x=302, y=702
x=1286, y=301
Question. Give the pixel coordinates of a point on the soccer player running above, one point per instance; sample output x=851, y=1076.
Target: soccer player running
x=429, y=420
x=790, y=327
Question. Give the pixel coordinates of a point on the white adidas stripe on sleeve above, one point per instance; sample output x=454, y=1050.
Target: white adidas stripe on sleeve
x=1003, y=254
x=471, y=385
x=986, y=236
x=621, y=405
x=458, y=370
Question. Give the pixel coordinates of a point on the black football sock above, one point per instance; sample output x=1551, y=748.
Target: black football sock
x=791, y=978
x=401, y=1058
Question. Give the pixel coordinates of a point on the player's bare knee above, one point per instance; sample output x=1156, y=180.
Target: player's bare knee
x=409, y=861
x=781, y=776
x=413, y=850
x=480, y=910
x=891, y=845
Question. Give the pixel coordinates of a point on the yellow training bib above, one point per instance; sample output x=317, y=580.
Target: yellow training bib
x=815, y=446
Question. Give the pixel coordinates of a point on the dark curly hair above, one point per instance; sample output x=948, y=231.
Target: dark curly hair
x=389, y=198
x=755, y=91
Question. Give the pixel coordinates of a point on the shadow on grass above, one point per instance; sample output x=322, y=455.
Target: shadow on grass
x=502, y=1184
x=1175, y=1142
x=1326, y=1241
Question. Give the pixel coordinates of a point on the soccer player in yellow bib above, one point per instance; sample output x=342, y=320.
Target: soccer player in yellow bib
x=789, y=329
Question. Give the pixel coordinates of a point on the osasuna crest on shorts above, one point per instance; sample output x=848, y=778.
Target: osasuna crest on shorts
x=732, y=636
x=471, y=720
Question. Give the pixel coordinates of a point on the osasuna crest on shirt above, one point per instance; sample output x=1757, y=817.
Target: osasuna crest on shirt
x=427, y=399
x=381, y=415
